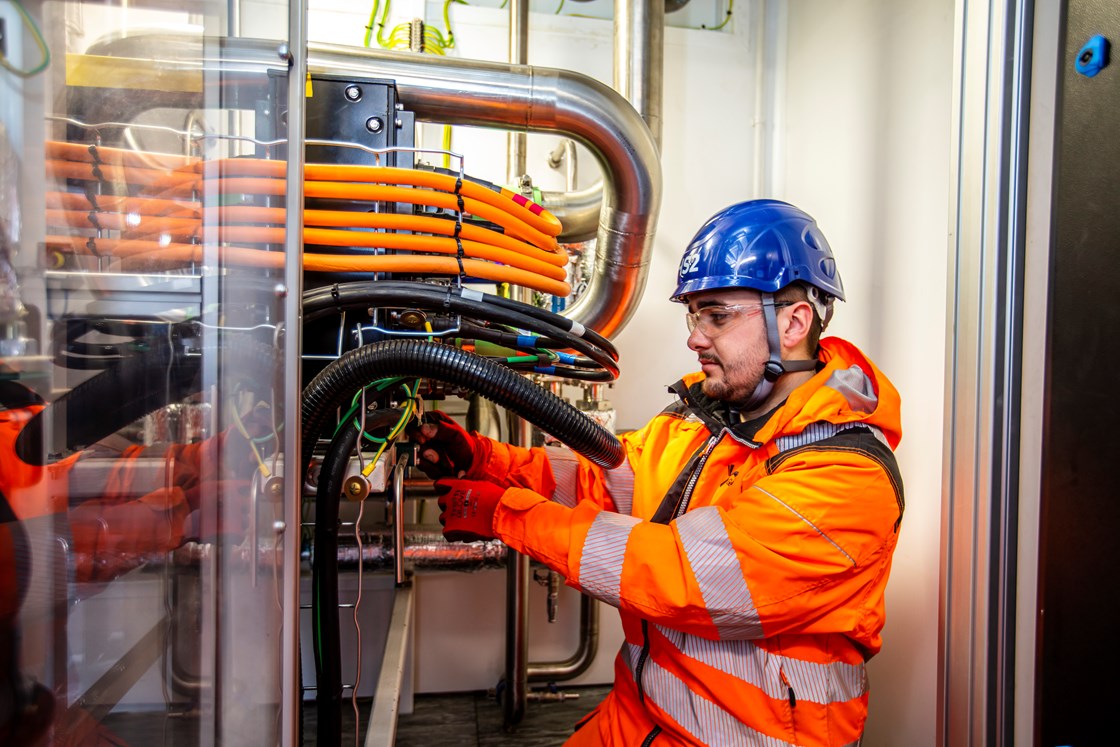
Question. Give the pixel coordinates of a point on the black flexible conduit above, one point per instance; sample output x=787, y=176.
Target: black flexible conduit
x=324, y=588
x=324, y=573
x=338, y=381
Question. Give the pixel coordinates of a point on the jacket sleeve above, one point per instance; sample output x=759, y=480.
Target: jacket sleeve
x=557, y=473
x=805, y=549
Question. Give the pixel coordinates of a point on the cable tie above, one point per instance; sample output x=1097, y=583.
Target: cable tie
x=97, y=174
x=458, y=228
x=92, y=218
x=91, y=197
x=459, y=259
x=92, y=246
x=93, y=153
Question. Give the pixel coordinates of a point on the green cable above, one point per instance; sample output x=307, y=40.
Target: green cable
x=39, y=41
x=726, y=18
x=372, y=21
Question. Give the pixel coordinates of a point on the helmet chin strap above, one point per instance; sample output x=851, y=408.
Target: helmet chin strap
x=775, y=367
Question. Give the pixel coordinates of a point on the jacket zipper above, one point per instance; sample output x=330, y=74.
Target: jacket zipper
x=642, y=661
x=789, y=689
x=686, y=496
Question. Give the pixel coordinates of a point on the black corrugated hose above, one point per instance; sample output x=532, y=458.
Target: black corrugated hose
x=324, y=588
x=336, y=384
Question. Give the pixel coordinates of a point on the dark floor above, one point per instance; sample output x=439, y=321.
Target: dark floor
x=476, y=719
x=456, y=720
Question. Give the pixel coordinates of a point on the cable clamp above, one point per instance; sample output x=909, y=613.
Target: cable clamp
x=91, y=197
x=459, y=259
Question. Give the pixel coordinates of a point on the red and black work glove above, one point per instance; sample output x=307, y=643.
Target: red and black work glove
x=467, y=509
x=446, y=448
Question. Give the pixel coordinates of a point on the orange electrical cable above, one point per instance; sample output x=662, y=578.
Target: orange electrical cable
x=529, y=258
x=391, y=221
x=382, y=193
x=377, y=240
x=132, y=223
x=117, y=174
x=535, y=216
x=69, y=151
x=139, y=253
x=127, y=205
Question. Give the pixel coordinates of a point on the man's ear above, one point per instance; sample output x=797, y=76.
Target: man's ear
x=794, y=325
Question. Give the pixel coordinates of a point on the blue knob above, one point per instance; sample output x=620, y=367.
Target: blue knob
x=1093, y=56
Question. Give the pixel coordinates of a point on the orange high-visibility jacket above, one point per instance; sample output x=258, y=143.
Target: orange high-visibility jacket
x=748, y=562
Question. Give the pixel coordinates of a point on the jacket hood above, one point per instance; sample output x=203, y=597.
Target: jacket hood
x=848, y=389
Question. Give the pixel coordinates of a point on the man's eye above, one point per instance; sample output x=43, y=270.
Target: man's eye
x=717, y=318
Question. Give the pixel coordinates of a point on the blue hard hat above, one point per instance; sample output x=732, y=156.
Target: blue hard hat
x=763, y=245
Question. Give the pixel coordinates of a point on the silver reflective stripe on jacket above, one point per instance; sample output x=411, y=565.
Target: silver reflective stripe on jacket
x=620, y=484
x=835, y=682
x=565, y=473
x=704, y=720
x=719, y=574
x=821, y=430
x=604, y=550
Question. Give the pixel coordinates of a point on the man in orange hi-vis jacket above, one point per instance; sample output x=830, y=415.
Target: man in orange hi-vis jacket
x=747, y=538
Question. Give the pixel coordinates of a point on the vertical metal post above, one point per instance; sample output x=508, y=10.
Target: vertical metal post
x=517, y=614
x=296, y=54
x=984, y=359
x=639, y=57
x=518, y=55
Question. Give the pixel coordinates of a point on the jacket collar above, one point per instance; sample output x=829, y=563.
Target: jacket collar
x=848, y=388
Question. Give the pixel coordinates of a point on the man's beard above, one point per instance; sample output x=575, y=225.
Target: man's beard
x=724, y=391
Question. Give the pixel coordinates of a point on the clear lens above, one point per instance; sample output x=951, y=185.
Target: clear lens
x=713, y=321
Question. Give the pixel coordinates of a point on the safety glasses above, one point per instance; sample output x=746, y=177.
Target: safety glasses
x=713, y=321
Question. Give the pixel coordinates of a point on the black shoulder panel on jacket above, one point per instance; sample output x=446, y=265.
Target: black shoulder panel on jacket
x=861, y=440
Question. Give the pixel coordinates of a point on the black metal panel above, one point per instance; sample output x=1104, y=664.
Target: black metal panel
x=1079, y=560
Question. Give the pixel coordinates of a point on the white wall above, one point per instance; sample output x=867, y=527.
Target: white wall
x=866, y=136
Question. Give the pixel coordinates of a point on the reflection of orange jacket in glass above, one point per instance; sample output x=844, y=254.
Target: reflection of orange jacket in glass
x=748, y=561
x=130, y=517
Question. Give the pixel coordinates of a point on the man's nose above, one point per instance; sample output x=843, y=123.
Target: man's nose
x=697, y=340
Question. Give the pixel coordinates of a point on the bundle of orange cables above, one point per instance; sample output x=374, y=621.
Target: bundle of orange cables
x=154, y=210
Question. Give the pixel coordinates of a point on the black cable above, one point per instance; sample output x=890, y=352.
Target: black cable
x=365, y=294
x=324, y=575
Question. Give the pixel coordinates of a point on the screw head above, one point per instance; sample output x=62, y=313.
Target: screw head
x=374, y=124
x=353, y=93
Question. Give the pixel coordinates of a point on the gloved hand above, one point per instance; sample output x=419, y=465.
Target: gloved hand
x=446, y=449
x=467, y=509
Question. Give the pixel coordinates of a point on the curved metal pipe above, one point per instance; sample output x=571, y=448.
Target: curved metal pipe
x=537, y=99
x=586, y=648
x=639, y=52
